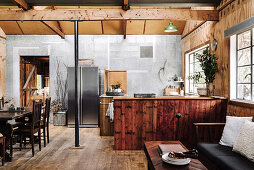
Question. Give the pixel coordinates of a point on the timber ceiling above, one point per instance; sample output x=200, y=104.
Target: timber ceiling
x=133, y=27
x=107, y=27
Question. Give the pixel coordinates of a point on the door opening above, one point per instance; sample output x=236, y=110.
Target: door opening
x=34, y=79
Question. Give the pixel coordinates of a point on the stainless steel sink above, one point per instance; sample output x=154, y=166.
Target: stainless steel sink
x=144, y=95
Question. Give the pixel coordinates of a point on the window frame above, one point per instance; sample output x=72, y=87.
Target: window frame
x=251, y=65
x=187, y=68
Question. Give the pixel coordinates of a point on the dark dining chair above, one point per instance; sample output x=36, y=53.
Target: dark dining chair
x=32, y=127
x=2, y=142
x=45, y=121
x=1, y=102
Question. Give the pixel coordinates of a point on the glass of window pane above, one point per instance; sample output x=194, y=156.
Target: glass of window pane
x=191, y=86
x=252, y=74
x=253, y=53
x=244, y=39
x=198, y=67
x=252, y=36
x=252, y=92
x=244, y=74
x=191, y=69
x=244, y=91
x=244, y=57
x=195, y=58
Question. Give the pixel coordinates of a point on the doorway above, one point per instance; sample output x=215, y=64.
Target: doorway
x=34, y=79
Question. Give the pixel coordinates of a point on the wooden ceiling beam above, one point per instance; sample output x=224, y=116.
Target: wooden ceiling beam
x=124, y=28
x=225, y=4
x=102, y=29
x=126, y=5
x=22, y=4
x=144, y=30
x=192, y=30
x=20, y=27
x=3, y=37
x=109, y=14
x=58, y=22
x=54, y=28
x=40, y=7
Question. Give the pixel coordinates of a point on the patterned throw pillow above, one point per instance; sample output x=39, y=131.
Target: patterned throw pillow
x=244, y=143
x=232, y=129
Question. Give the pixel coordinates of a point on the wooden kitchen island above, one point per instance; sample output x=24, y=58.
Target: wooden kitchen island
x=163, y=118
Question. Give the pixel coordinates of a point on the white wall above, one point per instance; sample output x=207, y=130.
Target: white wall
x=108, y=51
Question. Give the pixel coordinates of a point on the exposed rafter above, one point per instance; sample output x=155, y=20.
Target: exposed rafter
x=124, y=28
x=109, y=14
x=20, y=28
x=22, y=4
x=225, y=5
x=54, y=28
x=2, y=37
x=195, y=28
x=58, y=22
x=102, y=29
x=144, y=30
x=126, y=5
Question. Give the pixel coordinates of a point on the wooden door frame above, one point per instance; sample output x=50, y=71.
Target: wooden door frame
x=21, y=83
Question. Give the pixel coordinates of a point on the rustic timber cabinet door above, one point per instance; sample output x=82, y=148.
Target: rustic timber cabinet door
x=140, y=120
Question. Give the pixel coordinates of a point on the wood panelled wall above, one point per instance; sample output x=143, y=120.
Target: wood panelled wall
x=2, y=63
x=234, y=13
x=137, y=121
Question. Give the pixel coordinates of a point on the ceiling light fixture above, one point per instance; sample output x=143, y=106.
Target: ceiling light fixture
x=171, y=28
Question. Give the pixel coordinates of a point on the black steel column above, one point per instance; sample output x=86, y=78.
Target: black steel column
x=76, y=84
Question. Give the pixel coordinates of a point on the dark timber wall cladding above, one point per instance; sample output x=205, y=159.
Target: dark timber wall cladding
x=137, y=121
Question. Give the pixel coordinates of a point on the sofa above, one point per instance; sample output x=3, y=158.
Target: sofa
x=215, y=156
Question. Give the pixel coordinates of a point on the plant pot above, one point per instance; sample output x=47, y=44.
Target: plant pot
x=210, y=89
x=60, y=118
x=202, y=91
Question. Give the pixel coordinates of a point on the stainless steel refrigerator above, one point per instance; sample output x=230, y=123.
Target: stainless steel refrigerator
x=88, y=90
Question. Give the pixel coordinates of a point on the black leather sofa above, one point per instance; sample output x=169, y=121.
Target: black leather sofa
x=215, y=156
x=223, y=157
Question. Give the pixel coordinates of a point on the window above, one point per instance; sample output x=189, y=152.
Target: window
x=192, y=66
x=244, y=63
x=39, y=82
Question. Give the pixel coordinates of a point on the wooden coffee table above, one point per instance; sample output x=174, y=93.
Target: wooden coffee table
x=155, y=161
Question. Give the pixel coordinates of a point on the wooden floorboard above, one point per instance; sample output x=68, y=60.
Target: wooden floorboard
x=97, y=153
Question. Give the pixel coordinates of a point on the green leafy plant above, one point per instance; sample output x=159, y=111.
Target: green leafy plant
x=195, y=77
x=208, y=63
x=116, y=86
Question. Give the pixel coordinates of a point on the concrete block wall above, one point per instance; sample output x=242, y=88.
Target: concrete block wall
x=144, y=75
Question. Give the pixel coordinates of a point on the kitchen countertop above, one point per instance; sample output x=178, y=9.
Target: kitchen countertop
x=163, y=98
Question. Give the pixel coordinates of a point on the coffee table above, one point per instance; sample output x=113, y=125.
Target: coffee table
x=154, y=160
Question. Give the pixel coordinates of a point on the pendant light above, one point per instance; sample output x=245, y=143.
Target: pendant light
x=171, y=28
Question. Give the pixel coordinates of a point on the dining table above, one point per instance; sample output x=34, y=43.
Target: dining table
x=6, y=128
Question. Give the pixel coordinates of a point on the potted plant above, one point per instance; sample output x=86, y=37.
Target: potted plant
x=116, y=87
x=196, y=77
x=59, y=106
x=208, y=63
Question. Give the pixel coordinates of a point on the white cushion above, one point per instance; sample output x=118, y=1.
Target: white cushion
x=244, y=143
x=232, y=129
